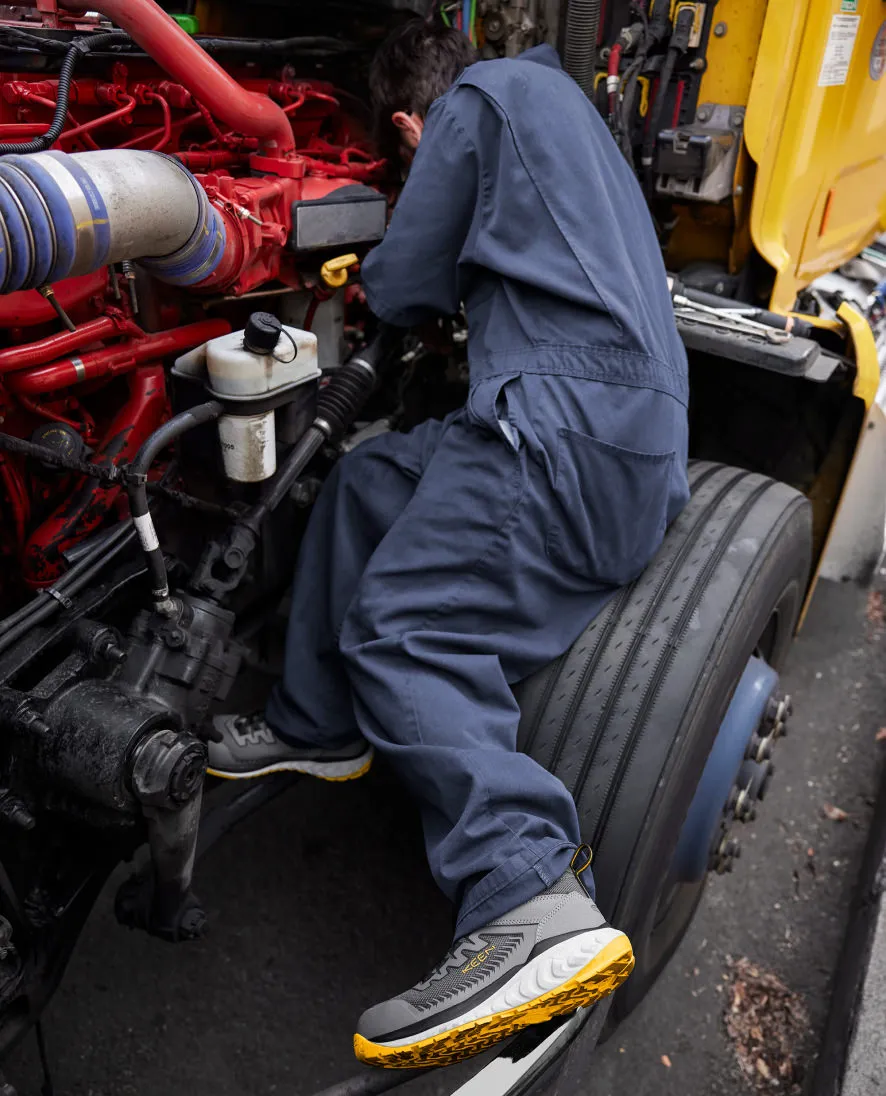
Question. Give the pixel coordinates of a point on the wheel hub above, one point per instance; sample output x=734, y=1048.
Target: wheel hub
x=736, y=775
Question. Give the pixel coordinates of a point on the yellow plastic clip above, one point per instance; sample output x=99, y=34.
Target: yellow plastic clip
x=335, y=271
x=643, y=81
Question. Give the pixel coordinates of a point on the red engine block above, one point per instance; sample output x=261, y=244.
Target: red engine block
x=106, y=380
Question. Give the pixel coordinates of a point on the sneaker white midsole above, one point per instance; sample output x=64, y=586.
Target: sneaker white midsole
x=327, y=769
x=539, y=976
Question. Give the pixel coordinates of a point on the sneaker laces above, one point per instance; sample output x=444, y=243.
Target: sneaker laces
x=252, y=721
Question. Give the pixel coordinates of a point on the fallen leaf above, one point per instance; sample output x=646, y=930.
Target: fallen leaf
x=835, y=814
x=769, y=1029
x=881, y=735
x=665, y=1061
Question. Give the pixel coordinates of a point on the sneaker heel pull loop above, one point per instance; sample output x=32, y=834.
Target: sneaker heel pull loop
x=582, y=856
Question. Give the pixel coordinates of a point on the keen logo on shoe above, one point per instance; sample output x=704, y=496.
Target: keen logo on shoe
x=479, y=958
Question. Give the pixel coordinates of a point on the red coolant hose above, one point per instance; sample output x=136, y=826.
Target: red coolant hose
x=121, y=358
x=172, y=48
x=56, y=346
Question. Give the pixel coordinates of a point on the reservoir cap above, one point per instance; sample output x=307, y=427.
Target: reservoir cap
x=262, y=332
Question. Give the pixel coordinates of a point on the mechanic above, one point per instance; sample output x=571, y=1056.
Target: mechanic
x=443, y=565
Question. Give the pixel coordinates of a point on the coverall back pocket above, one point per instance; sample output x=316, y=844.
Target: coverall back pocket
x=610, y=508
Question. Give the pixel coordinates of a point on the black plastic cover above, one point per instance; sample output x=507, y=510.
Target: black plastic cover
x=350, y=215
x=795, y=357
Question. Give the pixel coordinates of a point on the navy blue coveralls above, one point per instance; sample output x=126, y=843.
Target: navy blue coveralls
x=443, y=565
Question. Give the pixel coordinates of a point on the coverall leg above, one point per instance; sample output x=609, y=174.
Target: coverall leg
x=364, y=494
x=508, y=531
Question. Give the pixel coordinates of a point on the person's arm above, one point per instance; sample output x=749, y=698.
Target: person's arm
x=412, y=275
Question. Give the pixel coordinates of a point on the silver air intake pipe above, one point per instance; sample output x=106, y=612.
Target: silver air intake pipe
x=67, y=214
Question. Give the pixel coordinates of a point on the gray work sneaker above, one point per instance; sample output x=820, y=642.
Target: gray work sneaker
x=246, y=746
x=548, y=957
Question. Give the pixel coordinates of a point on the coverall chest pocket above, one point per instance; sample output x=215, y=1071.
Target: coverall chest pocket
x=609, y=509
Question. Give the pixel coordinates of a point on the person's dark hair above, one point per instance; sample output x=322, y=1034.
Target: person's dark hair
x=413, y=67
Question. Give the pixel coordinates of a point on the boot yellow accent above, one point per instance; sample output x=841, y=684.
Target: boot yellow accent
x=603, y=974
x=284, y=767
x=350, y=776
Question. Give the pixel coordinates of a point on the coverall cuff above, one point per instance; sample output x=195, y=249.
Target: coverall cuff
x=294, y=730
x=522, y=876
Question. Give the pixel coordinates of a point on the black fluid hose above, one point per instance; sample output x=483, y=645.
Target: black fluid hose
x=580, y=44
x=678, y=45
x=138, y=492
x=648, y=155
x=63, y=96
x=312, y=43
x=60, y=595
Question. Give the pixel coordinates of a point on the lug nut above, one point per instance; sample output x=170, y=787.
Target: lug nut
x=728, y=851
x=764, y=749
x=744, y=806
x=766, y=781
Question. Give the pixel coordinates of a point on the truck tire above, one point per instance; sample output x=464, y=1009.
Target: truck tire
x=627, y=717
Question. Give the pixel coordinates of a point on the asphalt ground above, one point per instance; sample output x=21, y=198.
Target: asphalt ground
x=321, y=905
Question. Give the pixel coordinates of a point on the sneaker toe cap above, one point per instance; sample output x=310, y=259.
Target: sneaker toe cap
x=385, y=1019
x=220, y=756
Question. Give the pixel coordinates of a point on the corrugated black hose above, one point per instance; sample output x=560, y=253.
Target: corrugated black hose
x=580, y=44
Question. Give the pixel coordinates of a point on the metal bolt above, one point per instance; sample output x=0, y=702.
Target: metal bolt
x=13, y=811
x=720, y=29
x=728, y=851
x=30, y=720
x=698, y=64
x=737, y=118
x=739, y=190
x=176, y=637
x=744, y=806
x=764, y=749
x=703, y=114
x=112, y=652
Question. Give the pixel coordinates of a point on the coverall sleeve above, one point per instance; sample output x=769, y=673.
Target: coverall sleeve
x=412, y=275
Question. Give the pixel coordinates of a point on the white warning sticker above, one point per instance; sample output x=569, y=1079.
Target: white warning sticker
x=838, y=51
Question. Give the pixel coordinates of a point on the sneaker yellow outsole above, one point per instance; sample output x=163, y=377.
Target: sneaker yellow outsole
x=598, y=978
